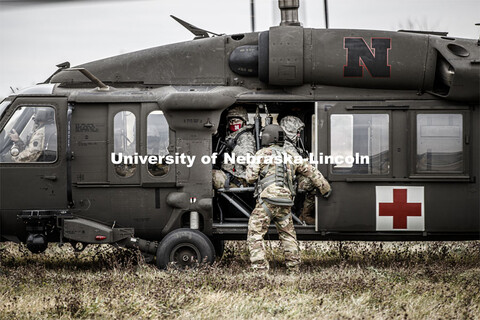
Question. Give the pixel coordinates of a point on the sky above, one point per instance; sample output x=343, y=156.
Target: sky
x=36, y=37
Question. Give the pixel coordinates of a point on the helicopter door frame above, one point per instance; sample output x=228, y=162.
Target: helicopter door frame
x=447, y=198
x=42, y=184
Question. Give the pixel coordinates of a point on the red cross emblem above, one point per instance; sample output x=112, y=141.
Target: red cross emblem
x=400, y=209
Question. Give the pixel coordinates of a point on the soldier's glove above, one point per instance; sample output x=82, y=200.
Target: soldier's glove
x=327, y=195
x=14, y=135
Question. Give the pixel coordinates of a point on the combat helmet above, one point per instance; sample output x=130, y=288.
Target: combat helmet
x=237, y=112
x=273, y=134
x=292, y=126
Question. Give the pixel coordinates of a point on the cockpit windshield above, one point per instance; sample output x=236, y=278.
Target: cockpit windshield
x=3, y=106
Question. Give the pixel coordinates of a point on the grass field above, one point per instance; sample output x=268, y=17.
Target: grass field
x=351, y=280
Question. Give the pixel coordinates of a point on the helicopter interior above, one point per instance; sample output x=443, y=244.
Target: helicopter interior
x=234, y=205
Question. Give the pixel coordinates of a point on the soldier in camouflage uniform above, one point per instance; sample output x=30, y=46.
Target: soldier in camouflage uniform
x=275, y=193
x=240, y=141
x=35, y=146
x=293, y=126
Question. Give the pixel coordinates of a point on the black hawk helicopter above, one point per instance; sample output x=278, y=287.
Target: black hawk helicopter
x=407, y=102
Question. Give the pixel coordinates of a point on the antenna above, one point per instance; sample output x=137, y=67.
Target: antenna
x=289, y=12
x=198, y=32
x=91, y=77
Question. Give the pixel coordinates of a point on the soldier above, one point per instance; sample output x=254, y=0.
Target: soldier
x=275, y=197
x=293, y=126
x=36, y=142
x=239, y=141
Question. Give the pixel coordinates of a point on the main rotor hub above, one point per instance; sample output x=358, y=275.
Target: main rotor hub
x=289, y=12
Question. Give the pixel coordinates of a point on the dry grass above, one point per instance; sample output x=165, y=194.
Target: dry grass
x=362, y=280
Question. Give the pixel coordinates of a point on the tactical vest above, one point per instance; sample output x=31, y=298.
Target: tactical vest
x=282, y=178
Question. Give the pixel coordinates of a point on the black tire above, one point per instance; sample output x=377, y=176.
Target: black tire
x=37, y=243
x=219, y=246
x=185, y=248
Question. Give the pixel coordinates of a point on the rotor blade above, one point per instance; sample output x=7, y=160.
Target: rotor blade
x=435, y=33
x=16, y=4
x=326, y=14
x=13, y=3
x=252, y=14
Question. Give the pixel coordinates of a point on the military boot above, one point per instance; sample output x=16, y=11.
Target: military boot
x=305, y=216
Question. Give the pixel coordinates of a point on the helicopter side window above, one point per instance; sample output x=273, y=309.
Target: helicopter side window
x=124, y=131
x=157, y=141
x=29, y=136
x=440, y=143
x=360, y=143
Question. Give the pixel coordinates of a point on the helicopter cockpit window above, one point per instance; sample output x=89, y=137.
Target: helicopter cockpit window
x=157, y=141
x=360, y=143
x=124, y=131
x=29, y=136
x=3, y=106
x=440, y=143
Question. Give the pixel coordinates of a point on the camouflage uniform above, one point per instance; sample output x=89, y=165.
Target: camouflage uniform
x=245, y=144
x=268, y=208
x=34, y=149
x=292, y=125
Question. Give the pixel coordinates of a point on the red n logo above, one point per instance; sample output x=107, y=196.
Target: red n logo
x=360, y=56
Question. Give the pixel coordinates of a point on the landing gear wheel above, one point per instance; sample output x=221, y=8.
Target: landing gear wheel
x=37, y=243
x=185, y=248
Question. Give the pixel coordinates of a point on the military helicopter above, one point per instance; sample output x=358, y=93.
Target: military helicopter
x=408, y=102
